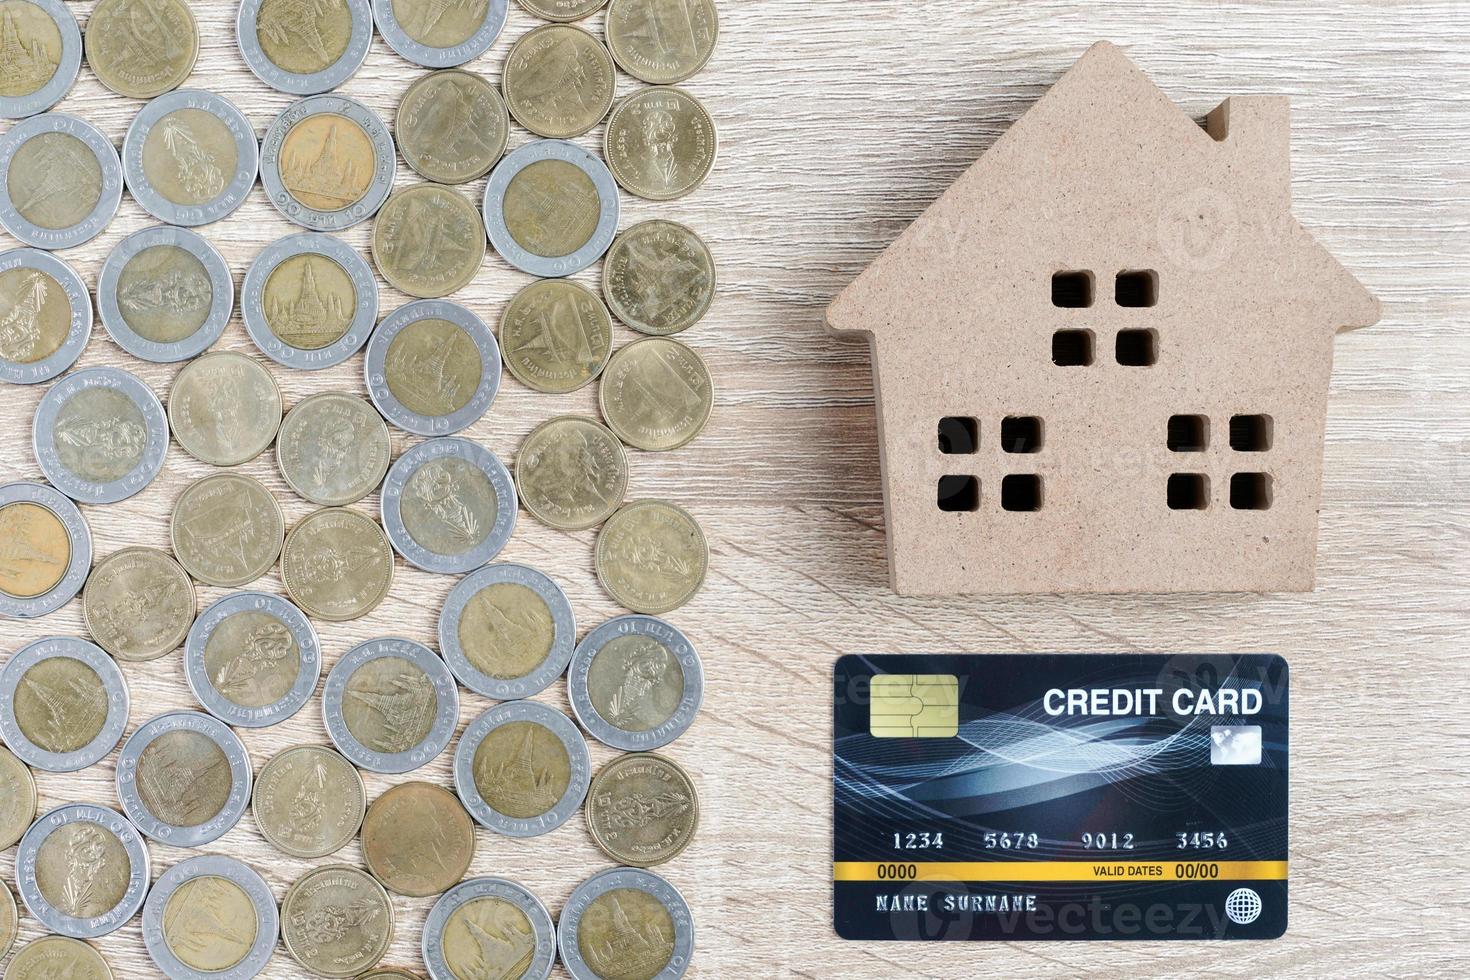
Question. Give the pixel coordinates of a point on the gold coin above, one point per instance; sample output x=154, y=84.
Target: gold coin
x=138, y=604
x=437, y=24
x=506, y=631
x=556, y=336
x=252, y=659
x=563, y=11
x=54, y=957
x=184, y=778
x=327, y=162
x=449, y=506
x=656, y=394
x=224, y=408
x=37, y=50
x=220, y=940
x=559, y=81
x=652, y=556
x=54, y=180
x=142, y=48
x=309, y=301
x=40, y=549
x=452, y=126
x=17, y=801
x=308, y=801
x=190, y=157
x=390, y=705
x=522, y=769
x=164, y=293
x=417, y=839
x=82, y=870
x=9, y=920
x=662, y=41
x=303, y=38
x=333, y=448
x=433, y=367
x=635, y=683
x=571, y=473
x=659, y=278
x=100, y=435
x=642, y=809
x=35, y=308
x=626, y=933
x=428, y=240
x=60, y=705
x=551, y=208
x=337, y=564
x=467, y=955
x=337, y=921
x=227, y=530
x=392, y=974
x=660, y=143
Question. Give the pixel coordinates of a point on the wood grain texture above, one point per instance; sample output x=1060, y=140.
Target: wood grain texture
x=840, y=122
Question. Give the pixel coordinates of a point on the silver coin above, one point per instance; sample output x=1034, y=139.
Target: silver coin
x=333, y=448
x=320, y=162
x=542, y=941
x=302, y=23
x=222, y=184
x=40, y=69
x=68, y=689
x=677, y=946
x=265, y=664
x=100, y=435
x=45, y=316
x=401, y=711
x=174, y=298
x=171, y=804
x=308, y=327
x=57, y=163
x=505, y=630
x=645, y=646
x=494, y=208
x=95, y=833
x=518, y=772
x=429, y=15
x=254, y=942
x=44, y=571
x=422, y=373
x=448, y=505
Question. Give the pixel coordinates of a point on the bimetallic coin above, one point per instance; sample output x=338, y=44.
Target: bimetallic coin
x=46, y=314
x=227, y=530
x=252, y=659
x=63, y=704
x=57, y=956
x=522, y=768
x=138, y=604
x=652, y=556
x=50, y=550
x=656, y=394
x=559, y=81
x=626, y=923
x=660, y=143
x=142, y=48
x=82, y=870
x=42, y=60
x=659, y=278
x=9, y=919
x=507, y=631
x=571, y=472
x=337, y=921
x=448, y=506
x=327, y=162
x=662, y=41
x=563, y=11
x=556, y=336
x=333, y=448
x=210, y=916
x=190, y=156
x=417, y=839
x=428, y=240
x=17, y=800
x=551, y=208
x=308, y=801
x=224, y=408
x=304, y=48
x=309, y=301
x=642, y=809
x=452, y=126
x=100, y=435
x=165, y=294
x=62, y=181
x=183, y=778
x=432, y=367
x=454, y=944
x=437, y=34
x=337, y=564
x=390, y=705
x=635, y=683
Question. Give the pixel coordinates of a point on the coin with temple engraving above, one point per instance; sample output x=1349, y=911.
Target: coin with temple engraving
x=559, y=81
x=82, y=870
x=659, y=278
x=390, y=705
x=138, y=604
x=440, y=33
x=165, y=294
x=652, y=556
x=662, y=41
x=63, y=704
x=337, y=921
x=571, y=472
x=252, y=659
x=327, y=162
x=183, y=778
x=142, y=48
x=17, y=800
x=210, y=916
x=656, y=394
x=642, y=809
x=333, y=448
x=417, y=839
x=635, y=683
x=448, y=505
x=660, y=143
x=551, y=208
x=227, y=530
x=100, y=435
x=43, y=53
x=455, y=945
x=224, y=408
x=61, y=182
x=563, y=11
x=309, y=301
x=522, y=768
x=304, y=47
x=428, y=240
x=507, y=631
x=308, y=801
x=556, y=336
x=51, y=957
x=626, y=923
x=190, y=157
x=433, y=367
x=50, y=550
x=337, y=564
x=452, y=126
x=45, y=316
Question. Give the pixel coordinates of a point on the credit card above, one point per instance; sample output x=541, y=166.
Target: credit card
x=1058, y=797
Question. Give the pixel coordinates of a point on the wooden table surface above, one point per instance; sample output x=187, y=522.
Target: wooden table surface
x=840, y=122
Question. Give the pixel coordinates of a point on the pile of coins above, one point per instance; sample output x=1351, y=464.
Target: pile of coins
x=432, y=368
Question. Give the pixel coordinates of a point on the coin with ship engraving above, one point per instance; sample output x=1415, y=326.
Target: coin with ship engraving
x=452, y=126
x=489, y=927
x=48, y=550
x=652, y=556
x=63, y=704
x=559, y=81
x=308, y=801
x=9, y=918
x=327, y=162
x=45, y=316
x=333, y=448
x=304, y=47
x=432, y=367
x=428, y=240
x=58, y=956
x=563, y=11
x=662, y=41
x=227, y=530
x=142, y=48
x=183, y=778
x=337, y=921
x=390, y=705
x=571, y=472
x=17, y=800
x=551, y=208
x=138, y=604
x=100, y=435
x=165, y=294
x=62, y=181
x=224, y=408
x=660, y=143
x=210, y=916
x=43, y=51
x=337, y=564
x=440, y=33
x=190, y=157
x=82, y=870
x=635, y=683
x=417, y=839
x=309, y=301
x=252, y=659
x=556, y=336
x=448, y=505
x=642, y=809
x=507, y=631
x=626, y=923
x=656, y=394
x=659, y=278
x=522, y=768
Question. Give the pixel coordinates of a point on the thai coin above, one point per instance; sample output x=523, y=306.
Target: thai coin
x=210, y=916
x=43, y=51
x=652, y=556
x=63, y=704
x=327, y=162
x=45, y=316
x=448, y=506
x=662, y=41
x=389, y=974
x=224, y=408
x=100, y=435
x=454, y=945
x=333, y=448
x=190, y=156
x=440, y=35
x=9, y=919
x=50, y=550
x=642, y=809
x=142, y=48
x=304, y=48
x=138, y=604
x=571, y=472
x=656, y=394
x=82, y=870
x=337, y=921
x=660, y=143
x=252, y=659
x=559, y=81
x=635, y=683
x=433, y=367
x=428, y=240
x=417, y=839
x=522, y=768
x=227, y=530
x=563, y=11
x=390, y=705
x=551, y=208
x=57, y=956
x=308, y=801
x=63, y=181
x=165, y=294
x=309, y=301
x=626, y=923
x=183, y=778
x=337, y=564
x=17, y=800
x=556, y=336
x=659, y=278
x=452, y=126
x=507, y=631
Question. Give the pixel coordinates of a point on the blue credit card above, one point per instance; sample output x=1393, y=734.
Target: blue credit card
x=1022, y=796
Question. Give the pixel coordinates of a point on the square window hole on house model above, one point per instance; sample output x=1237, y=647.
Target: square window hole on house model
x=1136, y=288
x=1020, y=434
x=1189, y=491
x=958, y=435
x=1071, y=348
x=958, y=494
x=1071, y=290
x=1251, y=491
x=1020, y=492
x=1188, y=433
x=1251, y=433
x=1138, y=348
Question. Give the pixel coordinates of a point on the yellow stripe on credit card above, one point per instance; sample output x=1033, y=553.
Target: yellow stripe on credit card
x=902, y=871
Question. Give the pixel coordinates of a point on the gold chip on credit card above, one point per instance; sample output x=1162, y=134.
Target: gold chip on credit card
x=915, y=706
